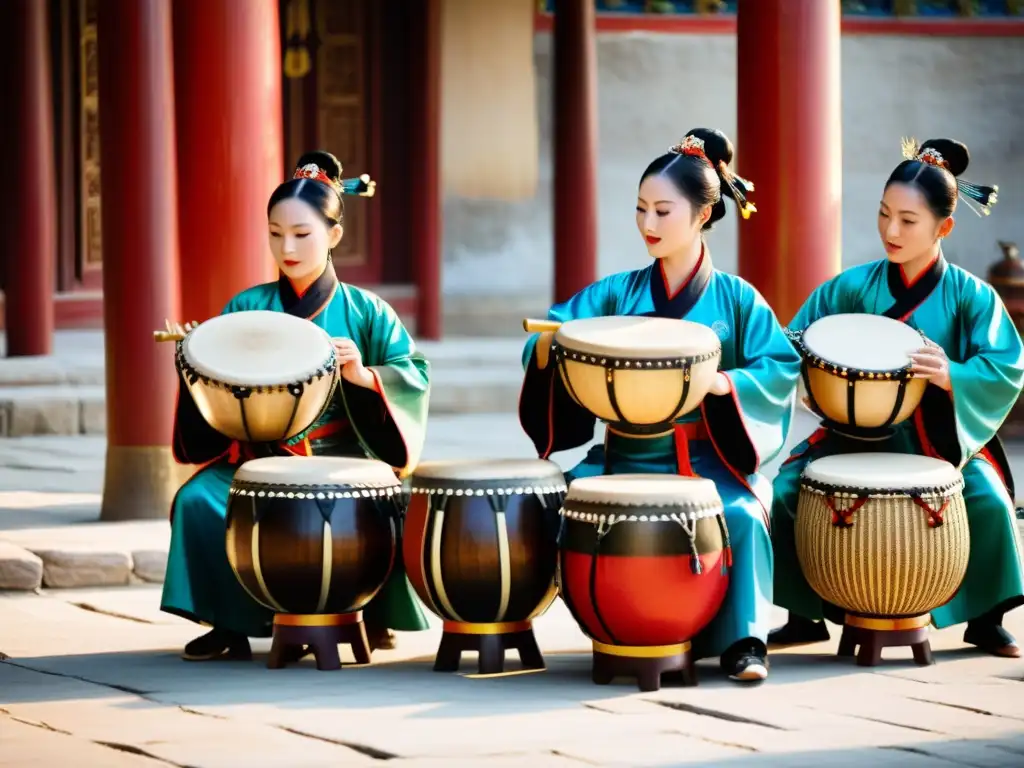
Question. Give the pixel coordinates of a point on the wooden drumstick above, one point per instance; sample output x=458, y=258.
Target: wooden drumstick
x=540, y=326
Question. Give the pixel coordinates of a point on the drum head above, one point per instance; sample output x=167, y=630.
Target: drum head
x=257, y=348
x=643, y=490
x=316, y=470
x=637, y=337
x=488, y=469
x=862, y=342
x=881, y=472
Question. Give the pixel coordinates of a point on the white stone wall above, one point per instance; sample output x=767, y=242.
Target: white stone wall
x=653, y=87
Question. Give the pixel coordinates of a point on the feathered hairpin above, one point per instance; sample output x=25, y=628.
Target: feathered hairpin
x=978, y=198
x=362, y=187
x=738, y=186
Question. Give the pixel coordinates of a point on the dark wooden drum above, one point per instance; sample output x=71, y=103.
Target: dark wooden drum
x=314, y=538
x=644, y=566
x=480, y=549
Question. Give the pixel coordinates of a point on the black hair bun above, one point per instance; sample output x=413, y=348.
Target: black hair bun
x=717, y=146
x=953, y=152
x=325, y=161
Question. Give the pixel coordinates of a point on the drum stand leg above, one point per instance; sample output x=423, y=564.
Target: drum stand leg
x=322, y=634
x=874, y=634
x=643, y=664
x=490, y=641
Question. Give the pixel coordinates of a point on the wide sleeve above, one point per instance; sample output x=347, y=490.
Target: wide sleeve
x=390, y=419
x=986, y=374
x=548, y=414
x=749, y=425
x=193, y=440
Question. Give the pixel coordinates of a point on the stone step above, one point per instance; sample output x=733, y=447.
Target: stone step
x=64, y=409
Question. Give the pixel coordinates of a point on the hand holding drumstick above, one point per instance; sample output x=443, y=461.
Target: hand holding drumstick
x=930, y=363
x=174, y=331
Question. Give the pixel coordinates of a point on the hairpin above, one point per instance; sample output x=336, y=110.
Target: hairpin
x=691, y=145
x=979, y=199
x=313, y=171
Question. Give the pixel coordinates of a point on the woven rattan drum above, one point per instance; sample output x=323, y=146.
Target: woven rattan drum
x=883, y=536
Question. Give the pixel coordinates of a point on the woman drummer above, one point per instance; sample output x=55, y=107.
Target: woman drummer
x=742, y=423
x=379, y=411
x=974, y=363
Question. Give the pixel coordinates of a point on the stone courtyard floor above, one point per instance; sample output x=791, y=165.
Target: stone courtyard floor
x=90, y=676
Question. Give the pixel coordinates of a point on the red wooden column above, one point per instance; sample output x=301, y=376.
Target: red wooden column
x=426, y=213
x=789, y=143
x=140, y=254
x=28, y=176
x=575, y=147
x=227, y=70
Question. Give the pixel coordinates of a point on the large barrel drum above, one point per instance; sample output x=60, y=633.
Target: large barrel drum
x=480, y=549
x=884, y=536
x=644, y=567
x=313, y=538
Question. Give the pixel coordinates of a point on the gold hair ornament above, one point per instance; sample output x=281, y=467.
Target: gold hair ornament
x=978, y=199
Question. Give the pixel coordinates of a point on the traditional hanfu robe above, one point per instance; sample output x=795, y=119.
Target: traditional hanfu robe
x=726, y=440
x=965, y=317
x=385, y=423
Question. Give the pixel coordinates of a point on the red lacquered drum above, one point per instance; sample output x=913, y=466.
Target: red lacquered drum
x=643, y=568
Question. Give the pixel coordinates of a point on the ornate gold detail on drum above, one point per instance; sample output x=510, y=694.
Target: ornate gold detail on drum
x=489, y=628
x=883, y=552
x=641, y=651
x=317, y=619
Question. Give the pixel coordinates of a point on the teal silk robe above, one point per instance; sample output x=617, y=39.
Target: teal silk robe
x=386, y=423
x=964, y=316
x=726, y=440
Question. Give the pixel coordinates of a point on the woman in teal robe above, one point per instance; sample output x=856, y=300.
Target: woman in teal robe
x=379, y=411
x=739, y=426
x=975, y=365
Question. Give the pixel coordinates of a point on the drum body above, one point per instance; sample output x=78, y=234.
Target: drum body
x=637, y=373
x=643, y=558
x=480, y=541
x=856, y=370
x=258, y=376
x=313, y=534
x=883, y=534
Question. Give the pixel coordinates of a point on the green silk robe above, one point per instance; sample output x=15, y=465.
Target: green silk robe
x=964, y=316
x=386, y=423
x=726, y=440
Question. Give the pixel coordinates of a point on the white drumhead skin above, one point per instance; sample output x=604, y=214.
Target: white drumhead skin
x=884, y=471
x=257, y=348
x=637, y=337
x=316, y=470
x=488, y=469
x=863, y=342
x=643, y=490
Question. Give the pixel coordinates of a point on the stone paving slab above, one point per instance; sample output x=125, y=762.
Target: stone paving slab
x=119, y=657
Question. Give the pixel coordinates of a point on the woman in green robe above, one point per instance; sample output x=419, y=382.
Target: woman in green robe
x=974, y=363
x=742, y=422
x=379, y=411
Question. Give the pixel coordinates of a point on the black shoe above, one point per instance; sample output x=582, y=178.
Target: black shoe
x=217, y=643
x=798, y=631
x=746, y=661
x=991, y=638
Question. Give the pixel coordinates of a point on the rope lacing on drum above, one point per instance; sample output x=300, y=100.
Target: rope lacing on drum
x=689, y=526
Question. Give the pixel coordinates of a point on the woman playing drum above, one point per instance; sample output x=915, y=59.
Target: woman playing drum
x=740, y=424
x=973, y=360
x=379, y=411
